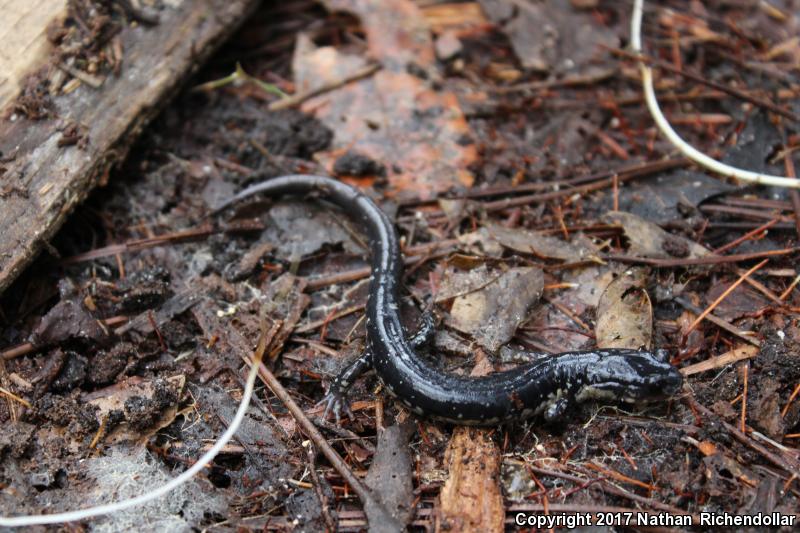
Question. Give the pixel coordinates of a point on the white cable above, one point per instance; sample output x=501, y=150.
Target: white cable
x=89, y=512
x=685, y=148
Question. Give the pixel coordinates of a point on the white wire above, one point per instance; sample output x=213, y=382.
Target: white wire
x=89, y=512
x=685, y=148
x=662, y=123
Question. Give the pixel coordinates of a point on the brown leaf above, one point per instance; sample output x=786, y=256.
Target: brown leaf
x=118, y=397
x=492, y=313
x=454, y=16
x=546, y=246
x=393, y=117
x=390, y=473
x=648, y=240
x=397, y=32
x=764, y=411
x=739, y=302
x=624, y=313
x=68, y=319
x=551, y=35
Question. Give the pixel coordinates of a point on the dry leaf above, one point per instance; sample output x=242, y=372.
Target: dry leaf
x=648, y=240
x=492, y=314
x=393, y=117
x=624, y=313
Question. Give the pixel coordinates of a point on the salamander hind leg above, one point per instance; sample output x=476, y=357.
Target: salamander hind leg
x=555, y=410
x=336, y=399
x=425, y=331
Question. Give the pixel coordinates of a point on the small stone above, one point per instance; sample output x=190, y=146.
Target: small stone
x=448, y=46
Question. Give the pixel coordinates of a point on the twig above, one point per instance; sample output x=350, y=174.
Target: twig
x=747, y=236
x=795, y=392
x=760, y=287
x=722, y=296
x=746, y=336
x=621, y=477
x=363, y=272
x=10, y=395
x=569, y=314
x=17, y=351
x=699, y=78
x=334, y=315
x=794, y=196
x=237, y=76
x=707, y=260
x=572, y=81
x=323, y=500
x=746, y=371
x=625, y=171
x=788, y=464
x=785, y=294
x=26, y=347
x=361, y=490
x=299, y=98
x=135, y=245
x=499, y=205
x=92, y=81
x=608, y=487
x=344, y=433
x=737, y=354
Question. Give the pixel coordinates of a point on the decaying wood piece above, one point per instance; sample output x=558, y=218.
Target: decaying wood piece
x=23, y=34
x=471, y=499
x=41, y=178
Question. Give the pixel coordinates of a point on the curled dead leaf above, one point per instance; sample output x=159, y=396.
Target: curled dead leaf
x=625, y=313
x=648, y=240
x=492, y=312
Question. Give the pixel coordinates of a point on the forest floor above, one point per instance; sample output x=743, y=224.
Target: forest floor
x=539, y=208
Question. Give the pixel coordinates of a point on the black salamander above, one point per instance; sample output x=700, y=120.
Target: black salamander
x=547, y=386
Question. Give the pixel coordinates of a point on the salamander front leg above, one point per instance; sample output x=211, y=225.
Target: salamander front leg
x=336, y=399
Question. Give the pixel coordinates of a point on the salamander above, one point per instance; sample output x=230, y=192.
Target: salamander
x=546, y=386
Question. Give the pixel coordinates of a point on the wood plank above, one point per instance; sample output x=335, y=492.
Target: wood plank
x=40, y=181
x=23, y=32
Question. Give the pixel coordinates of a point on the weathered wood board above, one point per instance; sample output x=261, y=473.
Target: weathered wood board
x=41, y=179
x=23, y=40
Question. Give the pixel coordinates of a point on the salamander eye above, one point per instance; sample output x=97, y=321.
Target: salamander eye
x=662, y=355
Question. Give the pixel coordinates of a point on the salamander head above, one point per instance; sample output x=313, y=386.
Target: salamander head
x=630, y=376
